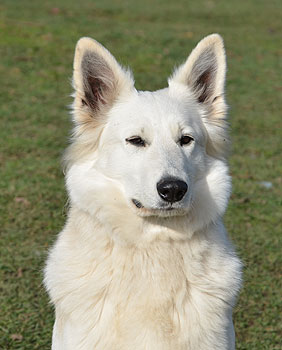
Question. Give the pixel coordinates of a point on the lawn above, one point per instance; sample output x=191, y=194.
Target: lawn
x=37, y=40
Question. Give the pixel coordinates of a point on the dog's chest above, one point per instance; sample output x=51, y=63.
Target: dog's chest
x=153, y=298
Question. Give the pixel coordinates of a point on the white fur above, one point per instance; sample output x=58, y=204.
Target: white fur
x=123, y=277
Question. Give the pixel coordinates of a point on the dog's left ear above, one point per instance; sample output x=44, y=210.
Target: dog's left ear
x=204, y=70
x=203, y=74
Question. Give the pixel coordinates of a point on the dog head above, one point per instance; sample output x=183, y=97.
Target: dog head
x=158, y=153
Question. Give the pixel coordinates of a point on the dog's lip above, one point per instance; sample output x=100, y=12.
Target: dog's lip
x=139, y=205
x=166, y=211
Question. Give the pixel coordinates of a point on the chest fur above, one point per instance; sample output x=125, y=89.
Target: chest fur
x=167, y=290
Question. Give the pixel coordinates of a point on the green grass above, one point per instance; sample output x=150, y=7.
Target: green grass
x=37, y=40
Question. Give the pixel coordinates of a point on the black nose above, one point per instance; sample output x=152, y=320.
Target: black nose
x=171, y=190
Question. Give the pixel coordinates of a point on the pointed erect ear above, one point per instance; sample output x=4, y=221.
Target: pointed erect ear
x=203, y=74
x=204, y=70
x=97, y=78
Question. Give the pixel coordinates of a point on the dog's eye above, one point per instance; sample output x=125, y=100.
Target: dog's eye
x=136, y=141
x=185, y=140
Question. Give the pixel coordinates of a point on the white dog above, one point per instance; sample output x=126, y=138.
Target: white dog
x=144, y=261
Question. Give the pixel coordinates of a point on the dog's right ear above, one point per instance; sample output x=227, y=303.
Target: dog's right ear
x=98, y=81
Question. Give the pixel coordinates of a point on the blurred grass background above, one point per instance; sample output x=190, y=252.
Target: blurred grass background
x=37, y=41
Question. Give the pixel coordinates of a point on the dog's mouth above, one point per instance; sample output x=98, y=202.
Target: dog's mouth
x=167, y=210
x=137, y=204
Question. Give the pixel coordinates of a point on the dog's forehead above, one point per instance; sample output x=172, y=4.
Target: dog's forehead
x=152, y=109
x=159, y=106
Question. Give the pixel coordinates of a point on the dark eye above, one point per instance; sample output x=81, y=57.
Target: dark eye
x=136, y=141
x=185, y=140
